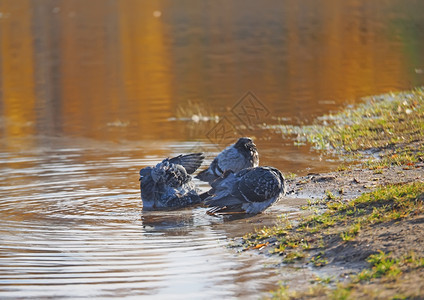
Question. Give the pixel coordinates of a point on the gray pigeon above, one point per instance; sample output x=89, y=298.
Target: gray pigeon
x=168, y=185
x=248, y=191
x=243, y=154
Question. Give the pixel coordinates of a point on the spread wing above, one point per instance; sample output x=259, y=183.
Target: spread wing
x=190, y=162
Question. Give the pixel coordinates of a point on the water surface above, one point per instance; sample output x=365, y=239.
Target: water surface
x=92, y=91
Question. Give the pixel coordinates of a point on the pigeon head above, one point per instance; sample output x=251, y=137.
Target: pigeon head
x=246, y=146
x=245, y=143
x=145, y=172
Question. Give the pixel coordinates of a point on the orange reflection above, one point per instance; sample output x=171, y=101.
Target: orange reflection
x=120, y=68
x=146, y=66
x=17, y=69
x=115, y=70
x=341, y=55
x=88, y=63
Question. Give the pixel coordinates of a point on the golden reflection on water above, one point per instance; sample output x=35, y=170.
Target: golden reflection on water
x=114, y=69
x=119, y=69
x=146, y=66
x=17, y=71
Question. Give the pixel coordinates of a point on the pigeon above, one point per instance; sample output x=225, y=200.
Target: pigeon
x=248, y=191
x=168, y=185
x=243, y=154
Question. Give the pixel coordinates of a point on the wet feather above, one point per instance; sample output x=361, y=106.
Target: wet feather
x=250, y=190
x=243, y=154
x=168, y=185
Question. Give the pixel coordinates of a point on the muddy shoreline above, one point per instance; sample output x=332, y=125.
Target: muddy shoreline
x=364, y=225
x=349, y=184
x=346, y=259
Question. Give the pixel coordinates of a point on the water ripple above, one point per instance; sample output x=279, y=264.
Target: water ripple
x=72, y=227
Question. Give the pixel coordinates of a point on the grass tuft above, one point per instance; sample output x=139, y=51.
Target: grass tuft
x=386, y=130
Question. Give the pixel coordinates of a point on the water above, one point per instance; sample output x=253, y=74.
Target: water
x=92, y=91
x=72, y=225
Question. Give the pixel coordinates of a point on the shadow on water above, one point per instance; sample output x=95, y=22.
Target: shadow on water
x=92, y=91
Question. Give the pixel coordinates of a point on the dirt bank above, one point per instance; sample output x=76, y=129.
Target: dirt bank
x=349, y=184
x=366, y=220
x=353, y=215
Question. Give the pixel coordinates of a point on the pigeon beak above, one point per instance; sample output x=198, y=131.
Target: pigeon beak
x=141, y=177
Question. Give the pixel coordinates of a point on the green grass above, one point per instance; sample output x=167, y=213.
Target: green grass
x=325, y=280
x=319, y=260
x=291, y=257
x=345, y=221
x=330, y=195
x=383, y=267
x=388, y=203
x=351, y=232
x=383, y=131
x=290, y=175
x=390, y=126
